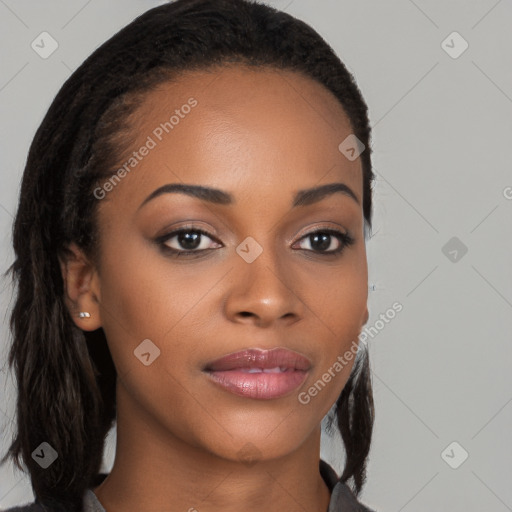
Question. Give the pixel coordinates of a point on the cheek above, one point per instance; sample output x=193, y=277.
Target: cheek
x=339, y=298
x=340, y=309
x=145, y=296
x=339, y=306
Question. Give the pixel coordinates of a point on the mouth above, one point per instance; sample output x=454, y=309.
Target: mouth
x=259, y=374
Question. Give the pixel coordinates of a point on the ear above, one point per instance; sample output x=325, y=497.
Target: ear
x=81, y=288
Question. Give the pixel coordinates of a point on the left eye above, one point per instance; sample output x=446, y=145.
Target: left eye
x=321, y=241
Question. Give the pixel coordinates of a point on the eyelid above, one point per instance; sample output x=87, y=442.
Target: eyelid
x=327, y=226
x=191, y=225
x=185, y=229
x=194, y=227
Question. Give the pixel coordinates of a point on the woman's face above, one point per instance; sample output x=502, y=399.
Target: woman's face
x=256, y=280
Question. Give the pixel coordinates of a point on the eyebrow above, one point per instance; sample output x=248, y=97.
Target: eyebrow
x=216, y=196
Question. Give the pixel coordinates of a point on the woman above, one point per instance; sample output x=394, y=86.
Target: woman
x=191, y=263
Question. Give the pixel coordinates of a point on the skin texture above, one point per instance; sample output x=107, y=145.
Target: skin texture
x=260, y=135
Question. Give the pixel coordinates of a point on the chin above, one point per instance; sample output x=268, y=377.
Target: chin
x=260, y=440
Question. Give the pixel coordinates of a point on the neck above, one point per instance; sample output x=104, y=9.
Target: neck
x=153, y=470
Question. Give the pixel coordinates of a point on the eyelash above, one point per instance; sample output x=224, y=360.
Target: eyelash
x=345, y=240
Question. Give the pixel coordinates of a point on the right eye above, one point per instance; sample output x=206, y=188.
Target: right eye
x=187, y=241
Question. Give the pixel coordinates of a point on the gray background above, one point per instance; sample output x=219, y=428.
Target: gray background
x=441, y=142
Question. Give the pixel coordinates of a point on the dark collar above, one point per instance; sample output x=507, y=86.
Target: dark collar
x=328, y=474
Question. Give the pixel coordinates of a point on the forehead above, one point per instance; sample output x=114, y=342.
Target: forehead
x=260, y=94
x=241, y=83
x=240, y=128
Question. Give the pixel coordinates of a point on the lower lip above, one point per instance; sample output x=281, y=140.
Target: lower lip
x=261, y=386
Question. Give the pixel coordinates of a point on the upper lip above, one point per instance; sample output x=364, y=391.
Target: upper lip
x=259, y=358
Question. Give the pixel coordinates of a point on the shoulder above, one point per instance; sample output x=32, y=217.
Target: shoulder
x=29, y=507
x=343, y=499
x=90, y=503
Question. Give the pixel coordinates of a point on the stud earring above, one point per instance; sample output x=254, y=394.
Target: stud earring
x=84, y=314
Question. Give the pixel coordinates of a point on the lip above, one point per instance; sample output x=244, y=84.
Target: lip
x=260, y=374
x=259, y=358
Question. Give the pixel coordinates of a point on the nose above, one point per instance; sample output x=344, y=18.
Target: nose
x=264, y=292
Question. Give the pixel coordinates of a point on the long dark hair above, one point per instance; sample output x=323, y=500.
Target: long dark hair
x=65, y=376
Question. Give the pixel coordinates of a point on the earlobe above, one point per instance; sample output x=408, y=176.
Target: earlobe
x=81, y=288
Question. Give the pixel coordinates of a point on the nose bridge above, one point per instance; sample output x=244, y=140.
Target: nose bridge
x=262, y=282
